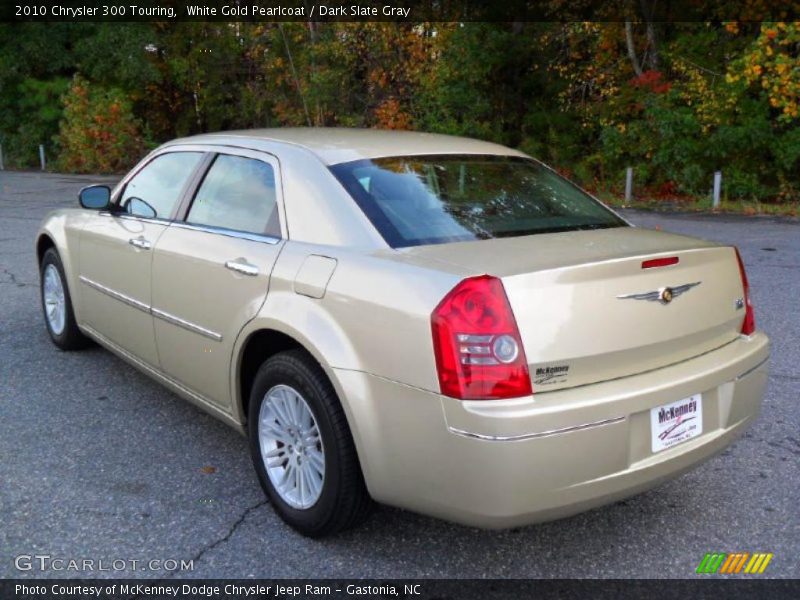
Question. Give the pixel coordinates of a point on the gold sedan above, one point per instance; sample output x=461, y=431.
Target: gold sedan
x=437, y=323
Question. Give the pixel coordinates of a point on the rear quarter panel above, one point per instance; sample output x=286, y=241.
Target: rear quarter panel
x=374, y=316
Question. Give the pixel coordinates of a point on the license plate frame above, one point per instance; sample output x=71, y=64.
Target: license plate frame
x=674, y=423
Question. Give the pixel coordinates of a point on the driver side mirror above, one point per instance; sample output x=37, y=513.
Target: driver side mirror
x=95, y=197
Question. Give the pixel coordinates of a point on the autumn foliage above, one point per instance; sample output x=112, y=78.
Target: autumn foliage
x=674, y=101
x=98, y=133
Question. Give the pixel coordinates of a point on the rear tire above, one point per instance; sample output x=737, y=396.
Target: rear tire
x=302, y=448
x=59, y=317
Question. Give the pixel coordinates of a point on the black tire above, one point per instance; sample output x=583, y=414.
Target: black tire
x=344, y=501
x=70, y=337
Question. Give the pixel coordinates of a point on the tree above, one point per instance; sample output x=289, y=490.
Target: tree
x=99, y=133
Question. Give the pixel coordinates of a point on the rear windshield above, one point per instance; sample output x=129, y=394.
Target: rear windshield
x=417, y=200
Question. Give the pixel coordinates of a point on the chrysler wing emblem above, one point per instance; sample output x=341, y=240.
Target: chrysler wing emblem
x=665, y=295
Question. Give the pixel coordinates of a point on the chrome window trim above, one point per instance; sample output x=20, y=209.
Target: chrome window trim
x=146, y=308
x=209, y=148
x=131, y=217
x=253, y=237
x=169, y=318
x=533, y=436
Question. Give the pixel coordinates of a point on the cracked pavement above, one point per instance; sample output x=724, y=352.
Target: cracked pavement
x=100, y=462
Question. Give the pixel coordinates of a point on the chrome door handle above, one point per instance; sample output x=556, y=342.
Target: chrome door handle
x=242, y=266
x=140, y=242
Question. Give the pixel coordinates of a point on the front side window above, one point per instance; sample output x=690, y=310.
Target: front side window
x=157, y=187
x=237, y=193
x=417, y=200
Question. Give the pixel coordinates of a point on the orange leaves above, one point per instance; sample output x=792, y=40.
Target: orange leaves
x=652, y=81
x=389, y=115
x=342, y=73
x=772, y=64
x=98, y=133
x=398, y=59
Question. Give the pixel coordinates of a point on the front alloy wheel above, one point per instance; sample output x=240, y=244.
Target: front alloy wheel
x=57, y=304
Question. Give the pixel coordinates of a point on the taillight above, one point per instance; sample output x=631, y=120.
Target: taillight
x=749, y=323
x=479, y=354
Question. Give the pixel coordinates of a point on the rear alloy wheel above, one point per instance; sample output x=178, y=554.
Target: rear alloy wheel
x=291, y=447
x=57, y=304
x=302, y=448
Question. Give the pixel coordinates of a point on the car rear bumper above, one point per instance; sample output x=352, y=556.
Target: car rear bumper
x=513, y=462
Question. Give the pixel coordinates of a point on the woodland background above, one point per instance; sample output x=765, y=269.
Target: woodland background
x=675, y=101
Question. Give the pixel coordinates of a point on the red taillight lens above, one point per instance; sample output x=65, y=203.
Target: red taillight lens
x=749, y=323
x=479, y=354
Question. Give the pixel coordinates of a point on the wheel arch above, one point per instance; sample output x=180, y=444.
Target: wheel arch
x=43, y=243
x=257, y=343
x=258, y=347
x=262, y=339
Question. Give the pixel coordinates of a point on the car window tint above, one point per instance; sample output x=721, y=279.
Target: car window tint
x=237, y=193
x=159, y=184
x=417, y=200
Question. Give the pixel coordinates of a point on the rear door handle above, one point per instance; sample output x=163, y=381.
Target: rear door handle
x=240, y=265
x=140, y=242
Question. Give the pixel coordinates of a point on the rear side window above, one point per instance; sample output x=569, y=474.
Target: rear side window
x=418, y=200
x=159, y=184
x=237, y=193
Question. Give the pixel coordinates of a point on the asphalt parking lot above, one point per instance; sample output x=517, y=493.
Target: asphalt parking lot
x=100, y=462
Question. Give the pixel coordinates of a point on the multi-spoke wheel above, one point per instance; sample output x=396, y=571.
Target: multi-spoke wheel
x=291, y=447
x=302, y=447
x=57, y=304
x=54, y=300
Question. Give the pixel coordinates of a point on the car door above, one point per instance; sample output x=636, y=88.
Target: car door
x=116, y=252
x=211, y=271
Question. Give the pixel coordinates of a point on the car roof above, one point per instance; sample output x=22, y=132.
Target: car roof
x=337, y=145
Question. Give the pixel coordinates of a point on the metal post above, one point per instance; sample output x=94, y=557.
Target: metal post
x=2, y=166
x=41, y=156
x=717, y=187
x=629, y=185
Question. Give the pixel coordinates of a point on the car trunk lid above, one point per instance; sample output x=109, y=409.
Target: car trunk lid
x=588, y=311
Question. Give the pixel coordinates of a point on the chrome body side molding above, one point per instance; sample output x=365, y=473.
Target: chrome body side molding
x=116, y=295
x=160, y=314
x=165, y=316
x=535, y=435
x=175, y=385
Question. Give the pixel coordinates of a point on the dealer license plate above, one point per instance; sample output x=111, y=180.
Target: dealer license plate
x=674, y=423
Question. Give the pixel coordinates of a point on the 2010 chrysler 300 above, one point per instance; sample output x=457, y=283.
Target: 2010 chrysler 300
x=436, y=323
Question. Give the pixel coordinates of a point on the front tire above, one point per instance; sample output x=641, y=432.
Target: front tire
x=57, y=304
x=302, y=448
